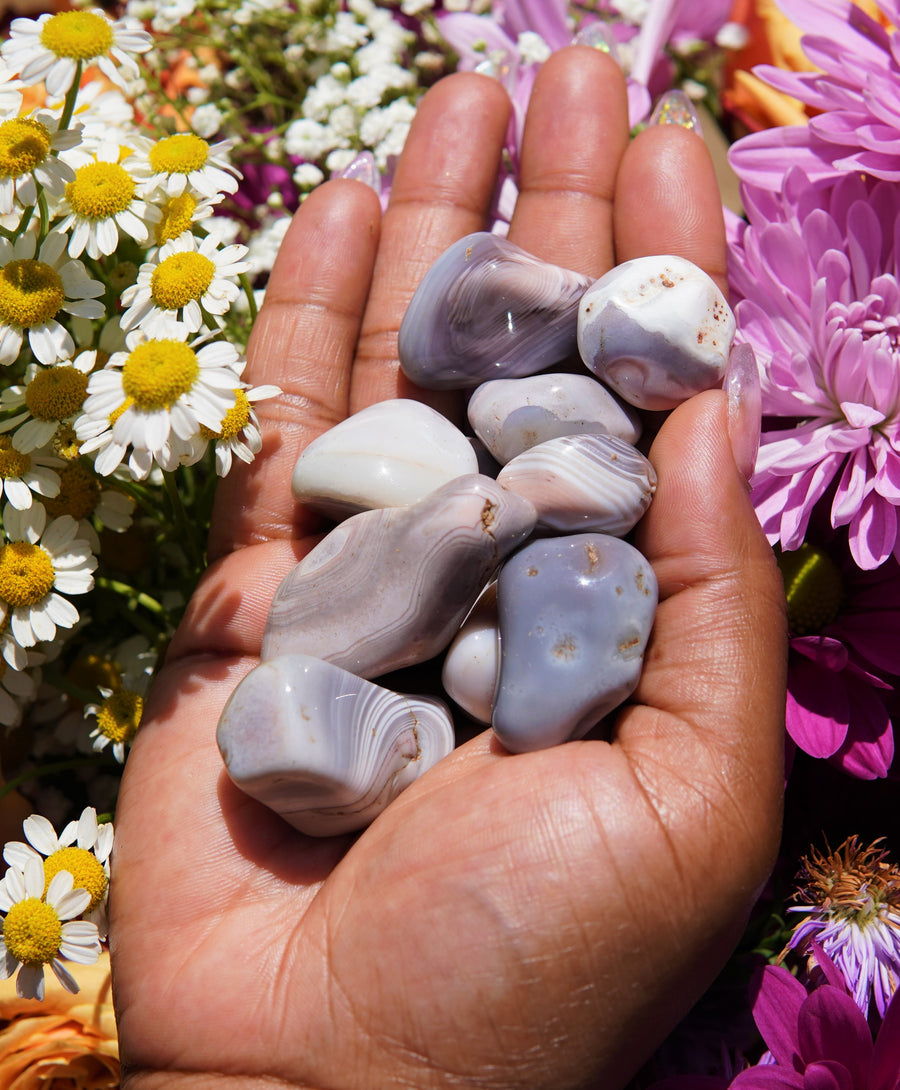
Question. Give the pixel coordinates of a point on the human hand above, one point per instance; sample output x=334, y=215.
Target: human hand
x=538, y=920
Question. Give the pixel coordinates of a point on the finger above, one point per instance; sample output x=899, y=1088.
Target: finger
x=303, y=341
x=667, y=201
x=441, y=191
x=576, y=132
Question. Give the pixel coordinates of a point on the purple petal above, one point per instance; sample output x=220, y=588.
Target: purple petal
x=768, y=1078
x=873, y=532
x=832, y=1027
x=885, y=1069
x=776, y=1011
x=818, y=708
x=827, y=1076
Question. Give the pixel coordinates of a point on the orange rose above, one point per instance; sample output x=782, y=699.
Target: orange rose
x=69, y=1038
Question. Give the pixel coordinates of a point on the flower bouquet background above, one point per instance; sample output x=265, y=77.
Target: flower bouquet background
x=151, y=155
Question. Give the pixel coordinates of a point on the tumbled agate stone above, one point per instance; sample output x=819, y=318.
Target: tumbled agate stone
x=583, y=483
x=657, y=330
x=323, y=748
x=390, y=454
x=488, y=309
x=389, y=588
x=469, y=672
x=575, y=614
x=512, y=415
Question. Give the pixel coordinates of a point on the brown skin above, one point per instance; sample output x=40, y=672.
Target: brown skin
x=539, y=920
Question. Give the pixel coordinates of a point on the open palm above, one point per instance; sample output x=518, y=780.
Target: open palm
x=538, y=920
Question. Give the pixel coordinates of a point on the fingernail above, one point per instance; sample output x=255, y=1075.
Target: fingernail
x=675, y=108
x=364, y=169
x=744, y=407
x=597, y=36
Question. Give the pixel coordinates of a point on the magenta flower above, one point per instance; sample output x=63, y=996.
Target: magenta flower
x=819, y=1040
x=814, y=282
x=858, y=126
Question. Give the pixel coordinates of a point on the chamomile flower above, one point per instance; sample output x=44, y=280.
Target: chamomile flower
x=53, y=49
x=160, y=387
x=51, y=397
x=187, y=162
x=189, y=281
x=21, y=475
x=119, y=713
x=239, y=435
x=82, y=848
x=17, y=688
x=34, y=288
x=177, y=214
x=39, y=929
x=29, y=148
x=10, y=92
x=39, y=563
x=104, y=198
x=82, y=496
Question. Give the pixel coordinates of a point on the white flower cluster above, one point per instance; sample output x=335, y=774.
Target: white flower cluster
x=112, y=301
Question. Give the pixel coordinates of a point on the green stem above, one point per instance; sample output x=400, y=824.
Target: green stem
x=135, y=596
x=183, y=524
x=71, y=96
x=251, y=298
x=51, y=769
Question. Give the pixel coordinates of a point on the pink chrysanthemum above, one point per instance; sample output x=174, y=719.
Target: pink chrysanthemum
x=814, y=279
x=854, y=91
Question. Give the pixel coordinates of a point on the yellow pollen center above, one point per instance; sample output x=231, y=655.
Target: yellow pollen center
x=32, y=931
x=179, y=154
x=24, y=145
x=176, y=218
x=79, y=493
x=12, y=462
x=31, y=293
x=26, y=573
x=157, y=373
x=100, y=191
x=119, y=716
x=180, y=279
x=85, y=868
x=234, y=421
x=57, y=392
x=78, y=35
x=65, y=443
x=813, y=588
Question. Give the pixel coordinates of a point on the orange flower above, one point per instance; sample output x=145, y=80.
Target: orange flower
x=66, y=1040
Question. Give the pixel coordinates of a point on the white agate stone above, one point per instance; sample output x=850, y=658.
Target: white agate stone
x=469, y=674
x=511, y=415
x=583, y=483
x=323, y=748
x=391, y=454
x=657, y=330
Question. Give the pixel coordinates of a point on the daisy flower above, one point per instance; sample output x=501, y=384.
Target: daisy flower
x=185, y=161
x=188, y=282
x=104, y=200
x=119, y=713
x=51, y=397
x=82, y=496
x=852, y=908
x=54, y=49
x=815, y=293
x=21, y=475
x=177, y=214
x=160, y=387
x=29, y=148
x=34, y=288
x=39, y=928
x=238, y=435
x=39, y=563
x=10, y=92
x=83, y=849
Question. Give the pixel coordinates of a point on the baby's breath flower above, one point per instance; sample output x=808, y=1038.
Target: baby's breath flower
x=34, y=288
x=189, y=278
x=83, y=849
x=39, y=563
x=186, y=161
x=39, y=928
x=22, y=474
x=52, y=397
x=50, y=49
x=29, y=149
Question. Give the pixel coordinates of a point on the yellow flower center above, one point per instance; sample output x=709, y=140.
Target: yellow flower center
x=32, y=931
x=78, y=35
x=176, y=218
x=179, y=154
x=26, y=573
x=119, y=716
x=85, y=868
x=90, y=670
x=157, y=373
x=100, y=191
x=12, y=462
x=813, y=587
x=57, y=392
x=181, y=278
x=24, y=145
x=31, y=293
x=234, y=421
x=65, y=443
x=79, y=493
